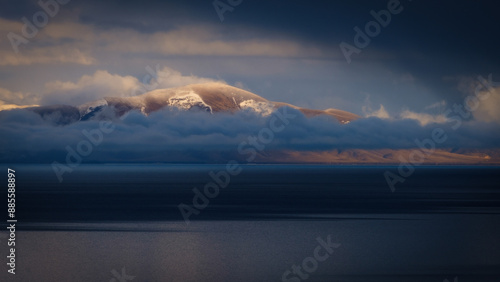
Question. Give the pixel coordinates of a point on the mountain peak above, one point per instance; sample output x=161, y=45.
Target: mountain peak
x=212, y=97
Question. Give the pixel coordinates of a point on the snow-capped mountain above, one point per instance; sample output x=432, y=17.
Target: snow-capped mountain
x=217, y=98
x=209, y=97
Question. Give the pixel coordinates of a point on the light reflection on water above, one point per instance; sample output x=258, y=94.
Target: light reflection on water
x=442, y=223
x=408, y=248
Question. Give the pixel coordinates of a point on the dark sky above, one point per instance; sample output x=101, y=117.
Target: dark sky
x=430, y=53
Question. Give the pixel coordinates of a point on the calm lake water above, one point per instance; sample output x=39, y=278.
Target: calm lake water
x=104, y=221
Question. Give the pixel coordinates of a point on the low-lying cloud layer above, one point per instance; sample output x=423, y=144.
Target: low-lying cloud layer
x=29, y=138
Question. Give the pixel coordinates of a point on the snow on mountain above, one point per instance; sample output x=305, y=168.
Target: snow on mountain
x=209, y=97
x=219, y=97
x=189, y=101
x=262, y=108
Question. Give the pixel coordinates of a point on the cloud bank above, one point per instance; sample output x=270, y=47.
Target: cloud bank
x=29, y=138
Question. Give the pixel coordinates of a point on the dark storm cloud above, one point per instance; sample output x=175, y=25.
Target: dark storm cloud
x=15, y=10
x=443, y=29
x=28, y=137
x=449, y=29
x=429, y=40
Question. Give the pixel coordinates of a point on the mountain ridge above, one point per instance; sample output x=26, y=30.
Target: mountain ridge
x=218, y=97
x=211, y=97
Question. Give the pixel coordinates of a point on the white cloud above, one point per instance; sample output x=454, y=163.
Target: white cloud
x=168, y=77
x=4, y=106
x=424, y=118
x=489, y=107
x=8, y=97
x=99, y=85
x=15, y=100
x=436, y=105
x=380, y=113
x=88, y=88
x=104, y=84
x=160, y=78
